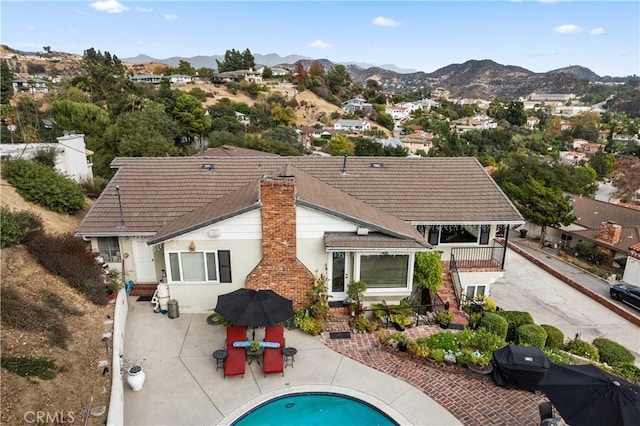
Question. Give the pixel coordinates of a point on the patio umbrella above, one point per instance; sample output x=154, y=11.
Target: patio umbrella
x=586, y=395
x=254, y=308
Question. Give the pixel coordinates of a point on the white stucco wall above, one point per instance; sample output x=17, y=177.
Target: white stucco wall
x=632, y=271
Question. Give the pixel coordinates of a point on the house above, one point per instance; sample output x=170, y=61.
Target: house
x=180, y=79
x=565, y=125
x=611, y=227
x=211, y=226
x=398, y=112
x=533, y=122
x=238, y=75
x=32, y=85
x=419, y=140
x=147, y=78
x=572, y=157
x=352, y=125
x=243, y=118
x=357, y=104
x=72, y=157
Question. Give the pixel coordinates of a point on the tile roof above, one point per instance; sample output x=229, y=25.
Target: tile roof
x=591, y=213
x=348, y=240
x=156, y=191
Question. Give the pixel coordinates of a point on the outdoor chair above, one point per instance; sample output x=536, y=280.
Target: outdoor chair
x=235, y=363
x=273, y=359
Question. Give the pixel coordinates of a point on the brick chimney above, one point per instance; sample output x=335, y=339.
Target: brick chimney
x=609, y=232
x=280, y=270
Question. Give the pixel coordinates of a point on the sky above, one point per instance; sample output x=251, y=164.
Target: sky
x=539, y=35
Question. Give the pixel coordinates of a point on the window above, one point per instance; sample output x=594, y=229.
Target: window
x=200, y=266
x=454, y=234
x=109, y=249
x=484, y=234
x=384, y=271
x=434, y=235
x=473, y=291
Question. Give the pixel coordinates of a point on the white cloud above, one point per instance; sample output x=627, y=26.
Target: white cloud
x=144, y=9
x=109, y=6
x=568, y=29
x=170, y=16
x=320, y=44
x=384, y=22
x=597, y=31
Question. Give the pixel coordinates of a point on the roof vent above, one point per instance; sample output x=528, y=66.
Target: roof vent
x=362, y=231
x=209, y=167
x=377, y=165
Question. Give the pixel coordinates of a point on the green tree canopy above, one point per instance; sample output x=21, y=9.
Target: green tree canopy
x=190, y=118
x=427, y=270
x=540, y=204
x=235, y=60
x=6, y=84
x=339, y=145
x=602, y=163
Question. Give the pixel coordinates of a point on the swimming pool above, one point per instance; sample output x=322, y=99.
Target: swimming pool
x=315, y=408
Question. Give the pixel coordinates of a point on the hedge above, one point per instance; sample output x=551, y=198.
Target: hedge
x=531, y=335
x=515, y=319
x=42, y=185
x=555, y=337
x=613, y=353
x=583, y=349
x=495, y=324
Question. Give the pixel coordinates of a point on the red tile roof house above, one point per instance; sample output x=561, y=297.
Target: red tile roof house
x=211, y=226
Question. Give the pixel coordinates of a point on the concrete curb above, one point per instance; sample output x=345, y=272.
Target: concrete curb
x=629, y=316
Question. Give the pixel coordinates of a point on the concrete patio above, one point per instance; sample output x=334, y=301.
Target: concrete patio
x=183, y=387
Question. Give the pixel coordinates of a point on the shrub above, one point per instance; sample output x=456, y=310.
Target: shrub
x=613, y=353
x=446, y=341
x=629, y=372
x=22, y=315
x=43, y=368
x=484, y=341
x=42, y=185
x=437, y=354
x=495, y=324
x=583, y=349
x=68, y=257
x=531, y=335
x=444, y=318
x=515, y=319
x=555, y=337
x=17, y=226
x=311, y=326
x=94, y=187
x=46, y=156
x=474, y=320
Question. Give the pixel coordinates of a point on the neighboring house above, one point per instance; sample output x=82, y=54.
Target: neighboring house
x=419, y=140
x=553, y=97
x=565, y=125
x=533, y=122
x=357, y=104
x=248, y=75
x=72, y=157
x=478, y=122
x=632, y=268
x=398, y=112
x=147, y=78
x=181, y=79
x=352, y=125
x=611, y=227
x=211, y=226
x=243, y=118
x=572, y=157
x=33, y=85
x=590, y=148
x=624, y=137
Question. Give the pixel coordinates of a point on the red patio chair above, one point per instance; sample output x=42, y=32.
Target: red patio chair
x=273, y=359
x=236, y=361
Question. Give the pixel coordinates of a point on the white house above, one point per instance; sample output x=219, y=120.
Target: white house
x=352, y=125
x=147, y=78
x=181, y=79
x=72, y=157
x=208, y=226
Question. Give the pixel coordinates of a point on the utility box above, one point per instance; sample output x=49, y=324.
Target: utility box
x=174, y=311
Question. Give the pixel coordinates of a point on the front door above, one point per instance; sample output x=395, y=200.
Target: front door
x=143, y=257
x=339, y=275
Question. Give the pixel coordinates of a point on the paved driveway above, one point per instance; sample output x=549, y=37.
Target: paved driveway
x=526, y=287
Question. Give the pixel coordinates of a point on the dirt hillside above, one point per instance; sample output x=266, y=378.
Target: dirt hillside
x=66, y=398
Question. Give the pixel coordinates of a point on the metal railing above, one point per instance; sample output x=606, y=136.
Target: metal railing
x=479, y=257
x=417, y=312
x=455, y=278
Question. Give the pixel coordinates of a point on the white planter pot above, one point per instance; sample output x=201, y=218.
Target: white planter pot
x=135, y=378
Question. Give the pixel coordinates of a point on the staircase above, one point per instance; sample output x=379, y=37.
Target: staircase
x=339, y=319
x=143, y=290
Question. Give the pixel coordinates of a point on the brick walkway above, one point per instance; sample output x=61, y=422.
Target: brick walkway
x=473, y=399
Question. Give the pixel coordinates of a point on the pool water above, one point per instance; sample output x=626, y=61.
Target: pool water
x=307, y=409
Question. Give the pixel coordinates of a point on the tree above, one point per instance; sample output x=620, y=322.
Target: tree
x=281, y=115
x=105, y=79
x=543, y=205
x=339, y=145
x=267, y=73
x=339, y=80
x=283, y=134
x=235, y=60
x=301, y=76
x=6, y=83
x=626, y=177
x=190, y=117
x=602, y=163
x=47, y=49
x=147, y=132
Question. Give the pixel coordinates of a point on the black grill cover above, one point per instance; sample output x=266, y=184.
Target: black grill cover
x=519, y=366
